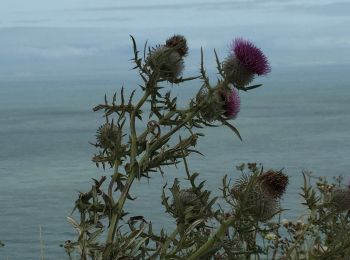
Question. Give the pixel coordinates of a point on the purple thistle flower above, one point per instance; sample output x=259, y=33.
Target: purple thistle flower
x=251, y=56
x=231, y=103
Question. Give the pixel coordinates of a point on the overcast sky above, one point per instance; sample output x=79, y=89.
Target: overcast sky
x=39, y=34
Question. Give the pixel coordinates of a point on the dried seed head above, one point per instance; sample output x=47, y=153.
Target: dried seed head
x=179, y=43
x=167, y=62
x=275, y=182
x=107, y=136
x=259, y=203
x=341, y=199
x=262, y=206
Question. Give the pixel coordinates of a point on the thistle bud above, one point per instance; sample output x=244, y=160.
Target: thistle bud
x=167, y=62
x=212, y=107
x=230, y=102
x=186, y=206
x=107, y=136
x=219, y=102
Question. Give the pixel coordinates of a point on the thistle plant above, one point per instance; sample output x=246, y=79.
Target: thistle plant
x=241, y=223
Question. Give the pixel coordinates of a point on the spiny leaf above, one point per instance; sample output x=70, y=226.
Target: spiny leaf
x=253, y=87
x=234, y=129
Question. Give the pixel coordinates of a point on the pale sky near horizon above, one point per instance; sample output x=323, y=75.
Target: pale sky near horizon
x=290, y=32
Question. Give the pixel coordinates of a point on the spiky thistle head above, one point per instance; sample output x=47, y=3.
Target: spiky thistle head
x=166, y=61
x=244, y=61
x=236, y=72
x=107, y=136
x=231, y=102
x=220, y=101
x=341, y=199
x=179, y=43
x=251, y=57
x=252, y=198
x=212, y=106
x=275, y=182
x=259, y=193
x=186, y=206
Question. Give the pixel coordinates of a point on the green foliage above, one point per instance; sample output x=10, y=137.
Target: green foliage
x=241, y=224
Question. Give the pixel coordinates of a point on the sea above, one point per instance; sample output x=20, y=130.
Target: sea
x=299, y=120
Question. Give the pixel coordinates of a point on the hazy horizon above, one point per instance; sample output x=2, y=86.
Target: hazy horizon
x=80, y=37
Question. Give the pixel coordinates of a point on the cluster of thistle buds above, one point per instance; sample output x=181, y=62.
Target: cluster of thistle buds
x=297, y=230
x=165, y=62
x=244, y=62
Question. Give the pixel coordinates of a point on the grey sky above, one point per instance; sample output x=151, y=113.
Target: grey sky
x=66, y=33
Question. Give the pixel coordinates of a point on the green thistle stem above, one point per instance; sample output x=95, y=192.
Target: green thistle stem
x=133, y=153
x=209, y=244
x=174, y=130
x=297, y=242
x=168, y=241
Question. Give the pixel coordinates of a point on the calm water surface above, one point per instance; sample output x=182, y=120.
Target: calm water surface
x=294, y=123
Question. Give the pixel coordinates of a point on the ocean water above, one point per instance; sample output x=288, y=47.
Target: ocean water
x=299, y=120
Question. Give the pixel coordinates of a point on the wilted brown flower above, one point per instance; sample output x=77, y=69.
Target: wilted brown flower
x=275, y=182
x=179, y=43
x=341, y=199
x=260, y=194
x=259, y=203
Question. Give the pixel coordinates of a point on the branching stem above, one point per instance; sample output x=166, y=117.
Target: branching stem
x=209, y=244
x=118, y=207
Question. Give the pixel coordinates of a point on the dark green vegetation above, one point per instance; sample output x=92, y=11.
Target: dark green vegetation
x=245, y=223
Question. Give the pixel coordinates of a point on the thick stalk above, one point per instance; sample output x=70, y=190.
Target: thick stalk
x=110, y=186
x=167, y=243
x=209, y=244
x=133, y=153
x=296, y=243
